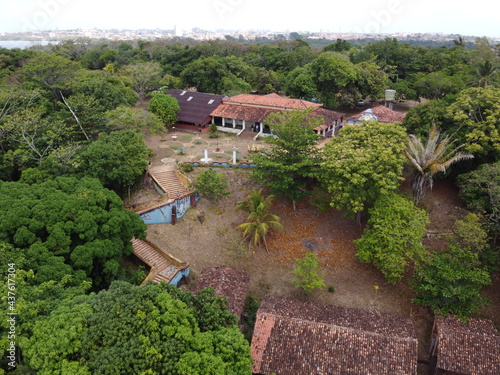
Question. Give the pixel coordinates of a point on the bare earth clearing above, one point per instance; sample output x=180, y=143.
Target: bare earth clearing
x=207, y=236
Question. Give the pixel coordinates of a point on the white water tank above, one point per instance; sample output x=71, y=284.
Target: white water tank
x=390, y=95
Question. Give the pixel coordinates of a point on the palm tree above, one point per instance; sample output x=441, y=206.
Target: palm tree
x=260, y=220
x=433, y=157
x=485, y=72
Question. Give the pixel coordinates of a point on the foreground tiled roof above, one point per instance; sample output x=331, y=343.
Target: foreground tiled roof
x=196, y=106
x=467, y=348
x=383, y=114
x=271, y=100
x=295, y=337
x=227, y=282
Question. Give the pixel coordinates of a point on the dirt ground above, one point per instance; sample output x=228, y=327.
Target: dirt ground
x=207, y=236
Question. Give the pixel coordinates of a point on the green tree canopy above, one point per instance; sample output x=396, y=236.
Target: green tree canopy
x=49, y=71
x=126, y=118
x=478, y=111
x=145, y=77
x=362, y=163
x=308, y=273
x=451, y=282
x=393, y=236
x=293, y=155
x=480, y=189
x=166, y=107
x=331, y=73
x=211, y=184
x=68, y=222
x=154, y=329
x=118, y=160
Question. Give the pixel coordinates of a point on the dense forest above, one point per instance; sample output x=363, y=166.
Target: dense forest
x=72, y=123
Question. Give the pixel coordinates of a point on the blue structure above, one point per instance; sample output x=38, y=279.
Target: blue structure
x=164, y=214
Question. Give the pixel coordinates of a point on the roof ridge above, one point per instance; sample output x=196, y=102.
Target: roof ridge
x=357, y=330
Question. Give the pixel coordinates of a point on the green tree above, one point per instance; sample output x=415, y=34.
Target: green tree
x=331, y=72
x=293, y=155
x=126, y=118
x=451, y=283
x=425, y=161
x=145, y=77
x=205, y=73
x=260, y=220
x=211, y=184
x=485, y=72
x=110, y=91
x=362, y=163
x=480, y=189
x=33, y=132
x=118, y=160
x=299, y=84
x=166, y=107
x=153, y=329
x=393, y=236
x=50, y=72
x=477, y=111
x=68, y=226
x=308, y=273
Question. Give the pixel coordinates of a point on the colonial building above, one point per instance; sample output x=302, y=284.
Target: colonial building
x=465, y=348
x=246, y=112
x=195, y=109
x=294, y=337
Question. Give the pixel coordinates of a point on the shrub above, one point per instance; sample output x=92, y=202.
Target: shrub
x=186, y=167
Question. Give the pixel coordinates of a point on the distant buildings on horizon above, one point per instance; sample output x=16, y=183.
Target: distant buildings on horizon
x=201, y=34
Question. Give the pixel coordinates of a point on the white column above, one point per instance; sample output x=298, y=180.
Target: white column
x=234, y=155
x=206, y=156
x=234, y=123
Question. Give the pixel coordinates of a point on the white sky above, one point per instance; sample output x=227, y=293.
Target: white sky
x=478, y=18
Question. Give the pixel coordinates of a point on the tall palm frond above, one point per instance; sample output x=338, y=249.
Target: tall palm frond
x=485, y=72
x=260, y=221
x=437, y=155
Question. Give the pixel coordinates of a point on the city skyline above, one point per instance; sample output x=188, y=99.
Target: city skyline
x=392, y=16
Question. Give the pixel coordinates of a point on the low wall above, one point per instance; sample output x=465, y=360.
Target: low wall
x=163, y=213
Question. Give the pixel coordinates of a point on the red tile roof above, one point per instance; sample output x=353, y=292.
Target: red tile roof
x=467, y=348
x=227, y=282
x=271, y=101
x=383, y=114
x=252, y=114
x=296, y=337
x=196, y=106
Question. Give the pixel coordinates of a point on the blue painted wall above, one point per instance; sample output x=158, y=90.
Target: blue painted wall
x=176, y=280
x=164, y=214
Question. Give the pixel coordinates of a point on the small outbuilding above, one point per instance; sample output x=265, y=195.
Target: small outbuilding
x=293, y=337
x=229, y=282
x=465, y=348
x=378, y=113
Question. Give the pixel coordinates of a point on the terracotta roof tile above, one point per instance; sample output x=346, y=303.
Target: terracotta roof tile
x=271, y=100
x=245, y=113
x=467, y=348
x=227, y=282
x=296, y=337
x=383, y=114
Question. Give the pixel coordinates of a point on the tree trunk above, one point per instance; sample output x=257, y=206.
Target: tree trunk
x=358, y=218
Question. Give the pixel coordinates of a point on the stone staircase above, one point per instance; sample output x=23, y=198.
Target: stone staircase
x=169, y=181
x=164, y=267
